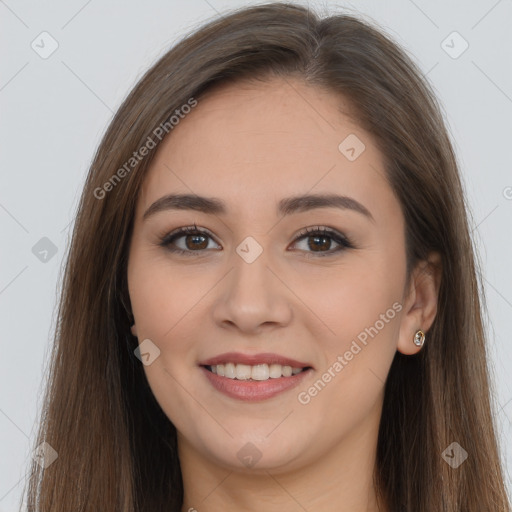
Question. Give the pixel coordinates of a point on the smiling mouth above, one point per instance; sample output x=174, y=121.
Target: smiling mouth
x=258, y=372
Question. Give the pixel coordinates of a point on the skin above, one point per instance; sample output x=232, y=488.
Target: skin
x=252, y=144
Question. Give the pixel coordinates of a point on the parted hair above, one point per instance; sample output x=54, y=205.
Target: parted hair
x=116, y=448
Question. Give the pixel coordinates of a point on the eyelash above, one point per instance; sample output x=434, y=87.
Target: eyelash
x=343, y=241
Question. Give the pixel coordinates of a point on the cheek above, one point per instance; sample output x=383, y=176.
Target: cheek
x=346, y=300
x=164, y=305
x=161, y=295
x=364, y=315
x=360, y=305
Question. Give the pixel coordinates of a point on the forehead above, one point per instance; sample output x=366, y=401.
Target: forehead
x=253, y=143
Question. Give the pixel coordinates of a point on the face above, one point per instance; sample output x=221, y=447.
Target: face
x=266, y=283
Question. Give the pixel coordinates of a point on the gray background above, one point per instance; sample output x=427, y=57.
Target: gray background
x=55, y=109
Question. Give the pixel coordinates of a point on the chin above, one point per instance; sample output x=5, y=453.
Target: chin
x=255, y=451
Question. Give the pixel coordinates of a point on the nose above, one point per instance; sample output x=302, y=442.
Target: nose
x=253, y=296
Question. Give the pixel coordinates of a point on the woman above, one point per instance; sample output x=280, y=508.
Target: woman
x=271, y=297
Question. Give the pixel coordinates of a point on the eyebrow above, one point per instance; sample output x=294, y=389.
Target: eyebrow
x=287, y=206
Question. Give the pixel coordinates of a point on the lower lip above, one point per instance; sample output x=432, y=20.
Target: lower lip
x=253, y=390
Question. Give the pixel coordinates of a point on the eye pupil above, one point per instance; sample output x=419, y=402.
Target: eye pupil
x=195, y=238
x=321, y=246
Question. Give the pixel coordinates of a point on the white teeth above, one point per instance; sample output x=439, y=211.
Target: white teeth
x=256, y=372
x=243, y=372
x=275, y=371
x=229, y=371
x=260, y=372
x=287, y=371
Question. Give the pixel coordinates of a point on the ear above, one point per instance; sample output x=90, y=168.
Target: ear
x=420, y=302
x=133, y=328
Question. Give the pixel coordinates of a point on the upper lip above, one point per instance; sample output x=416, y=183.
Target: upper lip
x=253, y=359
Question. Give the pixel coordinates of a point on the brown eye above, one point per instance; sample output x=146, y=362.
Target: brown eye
x=195, y=240
x=320, y=241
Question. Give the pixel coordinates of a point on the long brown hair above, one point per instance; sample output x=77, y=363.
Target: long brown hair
x=116, y=448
